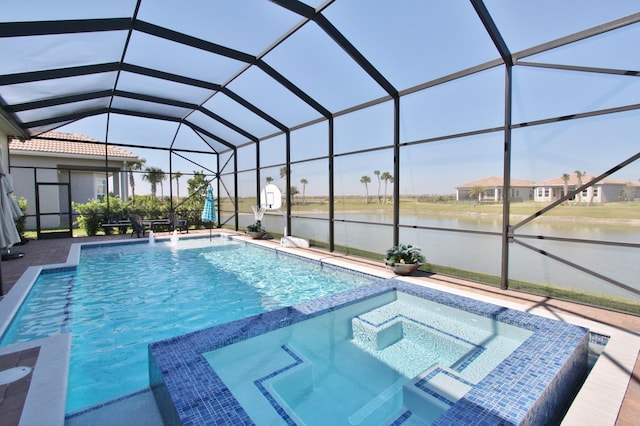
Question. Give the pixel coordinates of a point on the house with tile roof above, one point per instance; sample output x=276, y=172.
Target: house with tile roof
x=56, y=168
x=605, y=190
x=492, y=190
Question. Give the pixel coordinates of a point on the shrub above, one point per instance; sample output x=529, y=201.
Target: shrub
x=151, y=208
x=404, y=253
x=21, y=221
x=90, y=215
x=115, y=211
x=256, y=227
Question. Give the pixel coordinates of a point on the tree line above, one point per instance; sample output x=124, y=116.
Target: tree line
x=153, y=175
x=293, y=190
x=385, y=177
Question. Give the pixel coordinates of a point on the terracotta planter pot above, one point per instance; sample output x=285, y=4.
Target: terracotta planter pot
x=256, y=235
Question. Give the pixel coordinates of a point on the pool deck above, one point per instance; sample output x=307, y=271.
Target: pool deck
x=595, y=392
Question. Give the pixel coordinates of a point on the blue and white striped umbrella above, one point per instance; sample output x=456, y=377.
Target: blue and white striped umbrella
x=209, y=210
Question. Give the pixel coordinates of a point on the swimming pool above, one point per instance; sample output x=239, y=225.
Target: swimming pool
x=306, y=364
x=123, y=296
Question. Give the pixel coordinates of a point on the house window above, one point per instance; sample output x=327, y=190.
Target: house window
x=546, y=192
x=101, y=187
x=540, y=192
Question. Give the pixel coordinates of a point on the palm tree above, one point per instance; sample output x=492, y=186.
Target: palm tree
x=177, y=176
x=477, y=191
x=565, y=179
x=269, y=179
x=304, y=183
x=154, y=175
x=293, y=191
x=134, y=166
x=283, y=175
x=283, y=172
x=366, y=180
x=386, y=177
x=579, y=175
x=377, y=173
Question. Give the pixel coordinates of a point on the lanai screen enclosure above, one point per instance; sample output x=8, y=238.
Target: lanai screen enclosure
x=459, y=126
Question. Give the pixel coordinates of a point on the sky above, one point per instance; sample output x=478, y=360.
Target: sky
x=405, y=43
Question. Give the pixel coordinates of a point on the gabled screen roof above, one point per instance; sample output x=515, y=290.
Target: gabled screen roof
x=235, y=72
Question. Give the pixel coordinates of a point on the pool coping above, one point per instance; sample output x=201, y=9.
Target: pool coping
x=188, y=391
x=46, y=395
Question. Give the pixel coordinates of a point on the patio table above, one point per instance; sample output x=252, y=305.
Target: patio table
x=122, y=225
x=157, y=224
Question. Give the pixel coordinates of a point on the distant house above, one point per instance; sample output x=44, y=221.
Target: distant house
x=56, y=168
x=606, y=190
x=492, y=189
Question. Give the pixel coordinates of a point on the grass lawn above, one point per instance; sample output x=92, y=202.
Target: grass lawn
x=608, y=302
x=616, y=212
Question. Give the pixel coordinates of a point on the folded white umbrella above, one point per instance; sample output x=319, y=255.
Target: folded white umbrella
x=9, y=211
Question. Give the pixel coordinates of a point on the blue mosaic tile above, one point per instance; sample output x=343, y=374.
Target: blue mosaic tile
x=45, y=271
x=79, y=413
x=422, y=384
x=402, y=418
x=97, y=245
x=522, y=389
x=320, y=263
x=598, y=339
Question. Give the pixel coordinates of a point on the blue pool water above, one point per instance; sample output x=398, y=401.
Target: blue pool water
x=324, y=365
x=122, y=297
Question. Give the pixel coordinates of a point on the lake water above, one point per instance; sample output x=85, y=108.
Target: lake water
x=482, y=253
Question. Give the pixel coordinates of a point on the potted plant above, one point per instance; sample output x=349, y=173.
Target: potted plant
x=404, y=258
x=256, y=230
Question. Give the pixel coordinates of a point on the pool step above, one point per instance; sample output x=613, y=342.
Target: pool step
x=287, y=383
x=434, y=391
x=427, y=396
x=376, y=336
x=385, y=397
x=409, y=340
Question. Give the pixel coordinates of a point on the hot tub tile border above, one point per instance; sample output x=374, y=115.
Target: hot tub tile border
x=188, y=390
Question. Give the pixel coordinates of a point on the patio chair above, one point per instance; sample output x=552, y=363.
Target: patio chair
x=177, y=223
x=138, y=226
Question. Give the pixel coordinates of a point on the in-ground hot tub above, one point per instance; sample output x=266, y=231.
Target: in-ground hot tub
x=386, y=353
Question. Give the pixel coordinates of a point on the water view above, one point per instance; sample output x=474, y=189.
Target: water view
x=482, y=253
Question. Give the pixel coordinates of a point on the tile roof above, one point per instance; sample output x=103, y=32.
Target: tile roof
x=586, y=177
x=494, y=182
x=68, y=143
